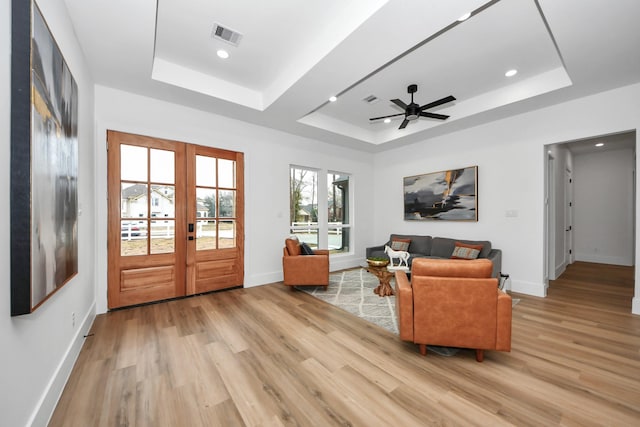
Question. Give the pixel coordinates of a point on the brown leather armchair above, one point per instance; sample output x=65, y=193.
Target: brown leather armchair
x=453, y=303
x=304, y=269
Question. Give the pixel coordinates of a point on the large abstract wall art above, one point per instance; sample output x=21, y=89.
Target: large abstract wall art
x=44, y=163
x=447, y=195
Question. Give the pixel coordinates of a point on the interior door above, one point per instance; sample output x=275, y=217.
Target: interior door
x=175, y=224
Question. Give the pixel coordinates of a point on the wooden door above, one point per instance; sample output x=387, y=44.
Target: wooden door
x=215, y=211
x=175, y=223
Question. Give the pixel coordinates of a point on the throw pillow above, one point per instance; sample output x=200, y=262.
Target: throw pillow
x=400, y=244
x=306, y=249
x=466, y=251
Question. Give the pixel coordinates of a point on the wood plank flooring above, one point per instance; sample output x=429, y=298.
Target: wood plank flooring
x=267, y=356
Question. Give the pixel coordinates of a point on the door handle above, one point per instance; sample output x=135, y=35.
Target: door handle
x=190, y=228
x=190, y=238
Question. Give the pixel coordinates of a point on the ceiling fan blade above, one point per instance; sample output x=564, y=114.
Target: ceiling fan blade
x=438, y=102
x=399, y=103
x=384, y=117
x=434, y=115
x=404, y=124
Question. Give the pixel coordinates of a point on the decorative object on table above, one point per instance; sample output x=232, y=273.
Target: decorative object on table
x=299, y=269
x=453, y=303
x=44, y=163
x=403, y=256
x=447, y=195
x=378, y=262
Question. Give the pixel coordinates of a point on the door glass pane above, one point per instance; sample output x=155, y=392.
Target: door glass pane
x=205, y=235
x=226, y=173
x=163, y=201
x=162, y=236
x=226, y=203
x=205, y=171
x=133, y=163
x=133, y=238
x=162, y=166
x=133, y=200
x=227, y=234
x=205, y=203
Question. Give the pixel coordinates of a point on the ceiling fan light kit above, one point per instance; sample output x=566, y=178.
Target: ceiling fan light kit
x=414, y=111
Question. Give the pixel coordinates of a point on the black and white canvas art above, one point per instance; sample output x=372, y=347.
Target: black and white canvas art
x=447, y=195
x=51, y=167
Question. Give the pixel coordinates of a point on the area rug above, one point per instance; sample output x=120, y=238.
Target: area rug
x=352, y=291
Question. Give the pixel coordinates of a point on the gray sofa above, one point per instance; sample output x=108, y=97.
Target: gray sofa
x=439, y=247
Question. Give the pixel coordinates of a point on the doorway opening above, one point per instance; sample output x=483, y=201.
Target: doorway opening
x=590, y=202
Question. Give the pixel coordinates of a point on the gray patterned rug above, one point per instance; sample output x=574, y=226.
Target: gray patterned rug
x=352, y=290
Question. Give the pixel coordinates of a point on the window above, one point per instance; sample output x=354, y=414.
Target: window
x=319, y=208
x=303, y=205
x=338, y=212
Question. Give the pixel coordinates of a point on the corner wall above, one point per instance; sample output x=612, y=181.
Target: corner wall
x=38, y=350
x=510, y=157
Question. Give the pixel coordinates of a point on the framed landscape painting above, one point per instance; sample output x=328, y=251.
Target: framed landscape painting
x=44, y=163
x=450, y=195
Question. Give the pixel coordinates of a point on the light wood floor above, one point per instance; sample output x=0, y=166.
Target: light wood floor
x=267, y=356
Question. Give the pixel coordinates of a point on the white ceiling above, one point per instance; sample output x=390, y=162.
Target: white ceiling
x=294, y=55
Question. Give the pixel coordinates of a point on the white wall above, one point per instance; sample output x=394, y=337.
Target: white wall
x=38, y=350
x=510, y=155
x=268, y=154
x=603, y=194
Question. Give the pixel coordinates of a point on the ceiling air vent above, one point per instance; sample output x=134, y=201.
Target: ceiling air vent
x=225, y=34
x=371, y=99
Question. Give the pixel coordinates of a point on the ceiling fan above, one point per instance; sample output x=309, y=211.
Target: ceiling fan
x=414, y=111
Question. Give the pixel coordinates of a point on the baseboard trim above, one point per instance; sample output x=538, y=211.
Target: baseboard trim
x=529, y=288
x=49, y=399
x=613, y=260
x=635, y=305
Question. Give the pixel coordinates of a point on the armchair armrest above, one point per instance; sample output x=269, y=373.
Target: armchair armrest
x=404, y=306
x=320, y=252
x=503, y=326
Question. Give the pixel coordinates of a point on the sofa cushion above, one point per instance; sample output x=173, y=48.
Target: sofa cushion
x=293, y=247
x=398, y=244
x=465, y=251
x=443, y=247
x=418, y=245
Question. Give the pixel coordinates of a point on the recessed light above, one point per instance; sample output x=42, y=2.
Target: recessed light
x=599, y=144
x=222, y=53
x=387, y=120
x=333, y=99
x=511, y=73
x=464, y=17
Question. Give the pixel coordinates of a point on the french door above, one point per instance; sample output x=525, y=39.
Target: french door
x=175, y=221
